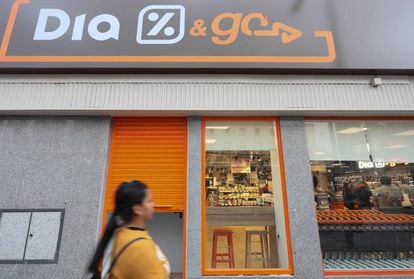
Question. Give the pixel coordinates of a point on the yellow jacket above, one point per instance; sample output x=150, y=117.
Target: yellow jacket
x=141, y=260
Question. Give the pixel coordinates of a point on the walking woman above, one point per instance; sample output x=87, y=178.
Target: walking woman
x=134, y=255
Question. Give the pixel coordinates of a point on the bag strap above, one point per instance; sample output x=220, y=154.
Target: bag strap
x=120, y=252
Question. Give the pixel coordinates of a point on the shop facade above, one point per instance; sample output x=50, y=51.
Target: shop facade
x=70, y=161
x=262, y=161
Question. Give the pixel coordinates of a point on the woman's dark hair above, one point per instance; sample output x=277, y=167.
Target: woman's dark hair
x=128, y=194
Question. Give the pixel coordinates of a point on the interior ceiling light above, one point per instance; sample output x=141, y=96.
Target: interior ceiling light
x=217, y=127
x=395, y=146
x=405, y=134
x=319, y=153
x=211, y=140
x=352, y=130
x=360, y=145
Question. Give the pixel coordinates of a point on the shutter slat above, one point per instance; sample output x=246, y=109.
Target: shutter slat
x=153, y=150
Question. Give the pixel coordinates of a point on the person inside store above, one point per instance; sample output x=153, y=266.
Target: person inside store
x=364, y=194
x=408, y=193
x=387, y=196
x=349, y=195
x=126, y=248
x=323, y=197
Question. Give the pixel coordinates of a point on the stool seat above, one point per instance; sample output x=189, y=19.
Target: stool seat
x=263, y=254
x=223, y=257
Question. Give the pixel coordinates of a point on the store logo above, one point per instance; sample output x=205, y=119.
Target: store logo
x=157, y=24
x=379, y=164
x=64, y=22
x=160, y=19
x=165, y=24
x=240, y=23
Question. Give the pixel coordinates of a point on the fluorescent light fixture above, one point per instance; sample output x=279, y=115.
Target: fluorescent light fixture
x=395, y=146
x=211, y=140
x=217, y=127
x=319, y=153
x=405, y=134
x=360, y=145
x=352, y=130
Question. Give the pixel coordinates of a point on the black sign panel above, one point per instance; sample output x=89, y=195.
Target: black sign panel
x=275, y=34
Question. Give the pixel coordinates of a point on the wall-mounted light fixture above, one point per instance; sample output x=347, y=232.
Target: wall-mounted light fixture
x=376, y=81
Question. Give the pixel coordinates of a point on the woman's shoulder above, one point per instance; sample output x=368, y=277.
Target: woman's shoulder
x=138, y=249
x=143, y=244
x=126, y=235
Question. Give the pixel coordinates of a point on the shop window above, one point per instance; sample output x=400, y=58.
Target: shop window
x=364, y=193
x=245, y=218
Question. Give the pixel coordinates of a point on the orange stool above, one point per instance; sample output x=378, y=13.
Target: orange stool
x=223, y=257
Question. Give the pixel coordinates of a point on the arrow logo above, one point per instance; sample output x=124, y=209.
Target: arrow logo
x=288, y=33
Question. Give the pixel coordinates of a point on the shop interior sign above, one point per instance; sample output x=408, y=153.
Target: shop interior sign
x=279, y=34
x=240, y=166
x=370, y=165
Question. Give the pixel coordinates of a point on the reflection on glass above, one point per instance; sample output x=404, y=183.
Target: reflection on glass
x=364, y=192
x=243, y=197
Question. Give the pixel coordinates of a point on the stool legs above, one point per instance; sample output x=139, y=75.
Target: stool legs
x=220, y=257
x=264, y=248
x=248, y=251
x=265, y=243
x=230, y=250
x=214, y=254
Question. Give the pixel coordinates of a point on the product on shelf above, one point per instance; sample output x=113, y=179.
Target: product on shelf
x=239, y=195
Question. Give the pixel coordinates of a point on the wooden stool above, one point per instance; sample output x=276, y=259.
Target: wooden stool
x=223, y=257
x=263, y=254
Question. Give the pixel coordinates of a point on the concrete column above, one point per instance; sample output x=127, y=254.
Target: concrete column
x=307, y=256
x=194, y=174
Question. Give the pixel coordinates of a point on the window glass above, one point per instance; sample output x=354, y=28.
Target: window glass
x=245, y=220
x=364, y=192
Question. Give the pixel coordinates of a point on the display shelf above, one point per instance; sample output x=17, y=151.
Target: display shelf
x=354, y=264
x=241, y=216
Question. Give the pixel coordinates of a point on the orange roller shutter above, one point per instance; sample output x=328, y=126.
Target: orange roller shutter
x=153, y=150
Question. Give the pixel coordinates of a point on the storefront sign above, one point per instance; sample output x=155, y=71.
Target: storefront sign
x=240, y=166
x=379, y=164
x=206, y=34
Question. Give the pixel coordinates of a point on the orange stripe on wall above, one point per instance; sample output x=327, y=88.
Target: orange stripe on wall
x=153, y=150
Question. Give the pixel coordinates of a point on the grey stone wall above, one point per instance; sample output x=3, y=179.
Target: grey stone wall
x=56, y=162
x=193, y=268
x=307, y=258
